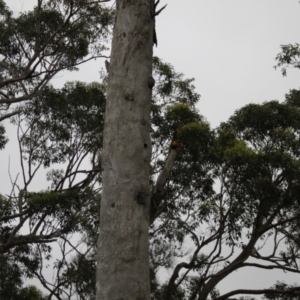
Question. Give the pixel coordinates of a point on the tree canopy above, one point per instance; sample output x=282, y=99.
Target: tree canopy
x=233, y=187
x=230, y=193
x=37, y=45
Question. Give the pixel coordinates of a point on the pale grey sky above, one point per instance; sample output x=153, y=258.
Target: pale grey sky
x=229, y=47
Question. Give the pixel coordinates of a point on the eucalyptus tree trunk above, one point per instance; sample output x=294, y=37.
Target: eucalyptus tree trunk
x=123, y=246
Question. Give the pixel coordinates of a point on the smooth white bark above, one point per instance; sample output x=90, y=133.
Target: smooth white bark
x=123, y=247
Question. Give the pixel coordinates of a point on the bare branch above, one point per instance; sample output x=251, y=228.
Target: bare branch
x=159, y=191
x=16, y=112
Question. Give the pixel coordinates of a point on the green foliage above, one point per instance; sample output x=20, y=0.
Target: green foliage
x=3, y=139
x=258, y=153
x=71, y=41
x=62, y=126
x=11, y=281
x=195, y=138
x=37, y=44
x=253, y=160
x=10, y=277
x=179, y=114
x=289, y=57
x=81, y=273
x=292, y=292
x=55, y=117
x=61, y=207
x=30, y=293
x=171, y=87
x=174, y=117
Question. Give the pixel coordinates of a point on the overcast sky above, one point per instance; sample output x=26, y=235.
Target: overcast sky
x=229, y=47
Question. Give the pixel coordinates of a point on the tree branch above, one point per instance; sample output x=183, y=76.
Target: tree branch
x=292, y=291
x=3, y=117
x=29, y=239
x=159, y=190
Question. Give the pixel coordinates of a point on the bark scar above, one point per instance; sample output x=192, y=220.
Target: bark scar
x=141, y=198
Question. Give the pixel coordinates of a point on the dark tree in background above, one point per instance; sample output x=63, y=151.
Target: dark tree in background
x=10, y=277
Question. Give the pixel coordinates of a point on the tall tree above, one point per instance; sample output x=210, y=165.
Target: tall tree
x=123, y=251
x=253, y=158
